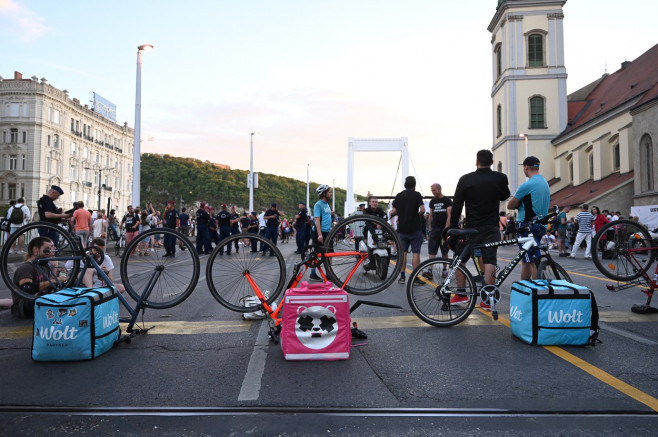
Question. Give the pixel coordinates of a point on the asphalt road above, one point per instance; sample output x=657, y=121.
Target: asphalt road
x=204, y=371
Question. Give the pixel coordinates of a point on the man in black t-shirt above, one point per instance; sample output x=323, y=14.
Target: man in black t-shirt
x=131, y=222
x=253, y=228
x=409, y=207
x=300, y=227
x=481, y=193
x=271, y=218
x=223, y=218
x=203, y=246
x=49, y=213
x=440, y=208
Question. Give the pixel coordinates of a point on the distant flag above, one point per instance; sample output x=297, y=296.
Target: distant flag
x=151, y=139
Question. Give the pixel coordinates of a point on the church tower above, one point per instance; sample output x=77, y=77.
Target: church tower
x=529, y=92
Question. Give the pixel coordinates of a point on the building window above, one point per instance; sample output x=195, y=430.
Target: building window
x=537, y=113
x=85, y=153
x=13, y=163
x=49, y=164
x=13, y=135
x=74, y=173
x=24, y=137
x=499, y=60
x=56, y=141
x=500, y=167
x=590, y=160
x=74, y=149
x=616, y=157
x=12, y=190
x=499, y=121
x=571, y=171
x=536, y=50
x=646, y=158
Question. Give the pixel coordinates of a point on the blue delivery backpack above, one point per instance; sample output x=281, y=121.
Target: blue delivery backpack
x=75, y=324
x=553, y=312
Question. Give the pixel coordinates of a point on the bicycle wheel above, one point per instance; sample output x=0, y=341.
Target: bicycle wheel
x=350, y=236
x=232, y=278
x=429, y=294
x=620, y=250
x=170, y=278
x=549, y=270
x=14, y=253
x=120, y=245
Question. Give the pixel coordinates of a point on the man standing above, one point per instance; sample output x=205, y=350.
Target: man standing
x=224, y=224
x=82, y=223
x=235, y=226
x=584, y=220
x=300, y=227
x=532, y=199
x=203, y=246
x=131, y=222
x=440, y=208
x=562, y=231
x=170, y=221
x=253, y=228
x=322, y=226
x=18, y=215
x=184, y=222
x=408, y=206
x=481, y=193
x=49, y=213
x=271, y=218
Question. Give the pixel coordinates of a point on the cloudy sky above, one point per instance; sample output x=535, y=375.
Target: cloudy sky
x=305, y=74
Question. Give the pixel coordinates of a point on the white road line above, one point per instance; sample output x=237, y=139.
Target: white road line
x=627, y=334
x=250, y=390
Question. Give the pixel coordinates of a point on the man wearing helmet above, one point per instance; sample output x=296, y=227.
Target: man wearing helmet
x=322, y=214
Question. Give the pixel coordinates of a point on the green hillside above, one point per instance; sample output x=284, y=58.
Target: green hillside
x=166, y=177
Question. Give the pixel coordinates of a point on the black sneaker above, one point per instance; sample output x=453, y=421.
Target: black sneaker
x=314, y=277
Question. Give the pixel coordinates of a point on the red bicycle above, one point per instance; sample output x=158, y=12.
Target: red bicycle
x=624, y=250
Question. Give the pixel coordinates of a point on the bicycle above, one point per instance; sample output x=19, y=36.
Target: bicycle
x=120, y=243
x=153, y=282
x=348, y=263
x=430, y=299
x=624, y=250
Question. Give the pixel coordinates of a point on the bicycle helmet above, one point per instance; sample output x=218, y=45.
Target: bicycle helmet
x=322, y=189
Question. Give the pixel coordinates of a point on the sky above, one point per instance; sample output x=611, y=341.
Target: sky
x=306, y=75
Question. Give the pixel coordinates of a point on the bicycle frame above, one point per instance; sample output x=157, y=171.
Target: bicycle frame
x=649, y=285
x=315, y=260
x=90, y=262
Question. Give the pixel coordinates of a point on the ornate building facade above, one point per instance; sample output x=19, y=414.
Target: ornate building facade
x=47, y=139
x=596, y=145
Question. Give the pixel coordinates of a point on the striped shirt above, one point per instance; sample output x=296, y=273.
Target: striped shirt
x=584, y=219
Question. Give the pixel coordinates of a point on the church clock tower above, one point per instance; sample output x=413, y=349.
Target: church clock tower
x=529, y=92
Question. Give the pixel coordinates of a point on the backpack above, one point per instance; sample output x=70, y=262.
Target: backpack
x=16, y=216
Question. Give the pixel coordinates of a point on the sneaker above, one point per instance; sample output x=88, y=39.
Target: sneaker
x=588, y=257
x=485, y=306
x=428, y=274
x=418, y=281
x=458, y=300
x=571, y=256
x=314, y=277
x=401, y=280
x=444, y=274
x=147, y=254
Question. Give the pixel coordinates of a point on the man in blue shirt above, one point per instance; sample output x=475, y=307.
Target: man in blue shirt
x=532, y=199
x=322, y=215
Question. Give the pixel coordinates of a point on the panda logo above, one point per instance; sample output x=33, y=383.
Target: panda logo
x=316, y=326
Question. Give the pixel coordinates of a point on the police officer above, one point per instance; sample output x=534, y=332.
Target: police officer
x=223, y=218
x=203, y=246
x=170, y=221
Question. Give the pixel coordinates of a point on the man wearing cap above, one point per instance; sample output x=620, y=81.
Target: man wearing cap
x=170, y=221
x=300, y=227
x=531, y=199
x=271, y=218
x=49, y=213
x=223, y=218
x=203, y=246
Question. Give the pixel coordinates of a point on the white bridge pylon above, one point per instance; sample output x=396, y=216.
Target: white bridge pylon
x=372, y=145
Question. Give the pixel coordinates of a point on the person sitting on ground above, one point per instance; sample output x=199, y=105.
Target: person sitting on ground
x=91, y=278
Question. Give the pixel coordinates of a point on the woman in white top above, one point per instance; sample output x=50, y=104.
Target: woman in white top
x=100, y=226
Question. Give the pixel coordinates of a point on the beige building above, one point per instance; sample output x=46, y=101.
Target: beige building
x=47, y=139
x=596, y=145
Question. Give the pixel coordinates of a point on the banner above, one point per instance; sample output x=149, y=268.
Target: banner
x=105, y=108
x=648, y=215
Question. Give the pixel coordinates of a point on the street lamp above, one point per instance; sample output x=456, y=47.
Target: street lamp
x=100, y=182
x=138, y=126
x=251, y=172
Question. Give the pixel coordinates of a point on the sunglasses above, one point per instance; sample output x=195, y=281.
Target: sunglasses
x=48, y=251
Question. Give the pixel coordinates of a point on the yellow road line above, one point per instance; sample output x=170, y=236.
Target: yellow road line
x=186, y=328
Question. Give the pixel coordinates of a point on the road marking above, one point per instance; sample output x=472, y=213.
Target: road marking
x=599, y=374
x=182, y=327
x=250, y=390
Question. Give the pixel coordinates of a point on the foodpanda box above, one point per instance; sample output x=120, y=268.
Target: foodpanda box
x=316, y=323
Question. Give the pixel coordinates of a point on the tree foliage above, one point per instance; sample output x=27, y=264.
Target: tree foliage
x=166, y=177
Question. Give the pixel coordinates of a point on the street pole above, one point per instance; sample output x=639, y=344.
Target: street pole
x=251, y=172
x=138, y=127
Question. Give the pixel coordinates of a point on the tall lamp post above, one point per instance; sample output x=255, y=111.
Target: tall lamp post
x=251, y=172
x=100, y=182
x=525, y=137
x=138, y=126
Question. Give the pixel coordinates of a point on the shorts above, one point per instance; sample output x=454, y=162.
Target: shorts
x=561, y=233
x=415, y=240
x=486, y=234
x=436, y=241
x=538, y=231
